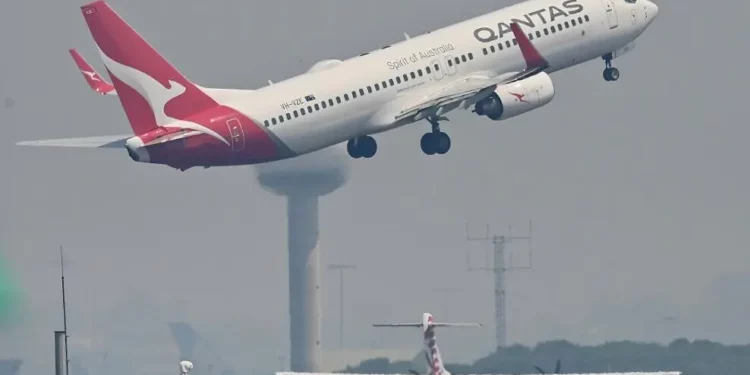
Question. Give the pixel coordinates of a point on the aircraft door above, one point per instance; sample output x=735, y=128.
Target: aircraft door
x=611, y=11
x=237, y=134
x=437, y=70
x=450, y=67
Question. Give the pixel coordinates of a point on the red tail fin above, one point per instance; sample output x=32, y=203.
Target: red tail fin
x=151, y=90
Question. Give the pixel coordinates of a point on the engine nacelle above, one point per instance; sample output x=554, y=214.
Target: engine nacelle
x=517, y=98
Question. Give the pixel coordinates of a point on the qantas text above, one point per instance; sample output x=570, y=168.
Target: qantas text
x=544, y=16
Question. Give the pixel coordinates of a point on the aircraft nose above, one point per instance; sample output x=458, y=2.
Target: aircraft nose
x=652, y=10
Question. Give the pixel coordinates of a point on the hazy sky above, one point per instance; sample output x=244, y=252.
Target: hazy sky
x=637, y=190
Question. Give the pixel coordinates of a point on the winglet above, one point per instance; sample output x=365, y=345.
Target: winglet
x=92, y=77
x=534, y=59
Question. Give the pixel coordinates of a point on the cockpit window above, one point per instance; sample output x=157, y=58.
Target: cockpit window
x=630, y=1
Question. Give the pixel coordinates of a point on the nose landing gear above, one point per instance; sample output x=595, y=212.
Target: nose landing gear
x=610, y=74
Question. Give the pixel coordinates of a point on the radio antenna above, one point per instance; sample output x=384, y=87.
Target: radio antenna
x=65, y=313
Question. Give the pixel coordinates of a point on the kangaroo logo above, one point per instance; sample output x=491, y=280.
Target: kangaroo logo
x=520, y=97
x=156, y=95
x=91, y=75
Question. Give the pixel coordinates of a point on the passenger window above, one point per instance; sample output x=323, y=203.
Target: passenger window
x=515, y=42
x=450, y=62
x=346, y=97
x=492, y=48
x=281, y=118
x=463, y=58
x=266, y=123
x=377, y=87
x=458, y=61
x=471, y=56
x=500, y=46
x=553, y=29
x=507, y=43
x=419, y=72
x=324, y=104
x=430, y=71
x=302, y=111
x=580, y=20
x=288, y=116
x=567, y=25
x=273, y=120
x=531, y=36
x=546, y=31
x=406, y=78
x=573, y=22
x=437, y=67
x=309, y=109
x=538, y=34
x=413, y=76
x=362, y=92
x=330, y=101
x=296, y=114
x=398, y=79
x=586, y=17
x=338, y=99
x=354, y=95
x=559, y=27
x=484, y=50
x=317, y=107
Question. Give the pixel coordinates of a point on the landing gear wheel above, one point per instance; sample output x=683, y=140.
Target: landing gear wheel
x=443, y=143
x=351, y=148
x=367, y=146
x=362, y=147
x=611, y=74
x=435, y=143
x=428, y=144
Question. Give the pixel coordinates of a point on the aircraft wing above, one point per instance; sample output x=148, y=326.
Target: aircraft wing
x=107, y=141
x=92, y=77
x=466, y=91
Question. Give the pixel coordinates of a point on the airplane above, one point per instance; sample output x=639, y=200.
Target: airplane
x=432, y=353
x=497, y=65
x=435, y=365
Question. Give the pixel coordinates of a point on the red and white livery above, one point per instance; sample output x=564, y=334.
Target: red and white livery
x=496, y=65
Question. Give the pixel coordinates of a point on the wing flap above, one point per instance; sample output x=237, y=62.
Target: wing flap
x=107, y=141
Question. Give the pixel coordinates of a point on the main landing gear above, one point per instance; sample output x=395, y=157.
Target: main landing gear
x=610, y=74
x=435, y=142
x=362, y=147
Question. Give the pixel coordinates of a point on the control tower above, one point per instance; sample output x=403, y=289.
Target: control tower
x=303, y=180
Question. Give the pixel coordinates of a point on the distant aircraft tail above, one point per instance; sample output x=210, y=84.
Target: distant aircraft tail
x=151, y=90
x=432, y=352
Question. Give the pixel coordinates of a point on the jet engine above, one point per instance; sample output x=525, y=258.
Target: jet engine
x=517, y=98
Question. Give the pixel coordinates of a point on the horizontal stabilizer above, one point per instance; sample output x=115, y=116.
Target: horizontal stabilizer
x=107, y=141
x=431, y=324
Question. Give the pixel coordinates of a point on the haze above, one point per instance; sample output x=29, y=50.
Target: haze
x=637, y=190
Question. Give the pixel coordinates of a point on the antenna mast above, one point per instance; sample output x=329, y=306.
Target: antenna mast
x=499, y=268
x=65, y=313
x=341, y=268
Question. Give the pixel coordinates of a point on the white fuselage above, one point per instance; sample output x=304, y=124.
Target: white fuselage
x=583, y=30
